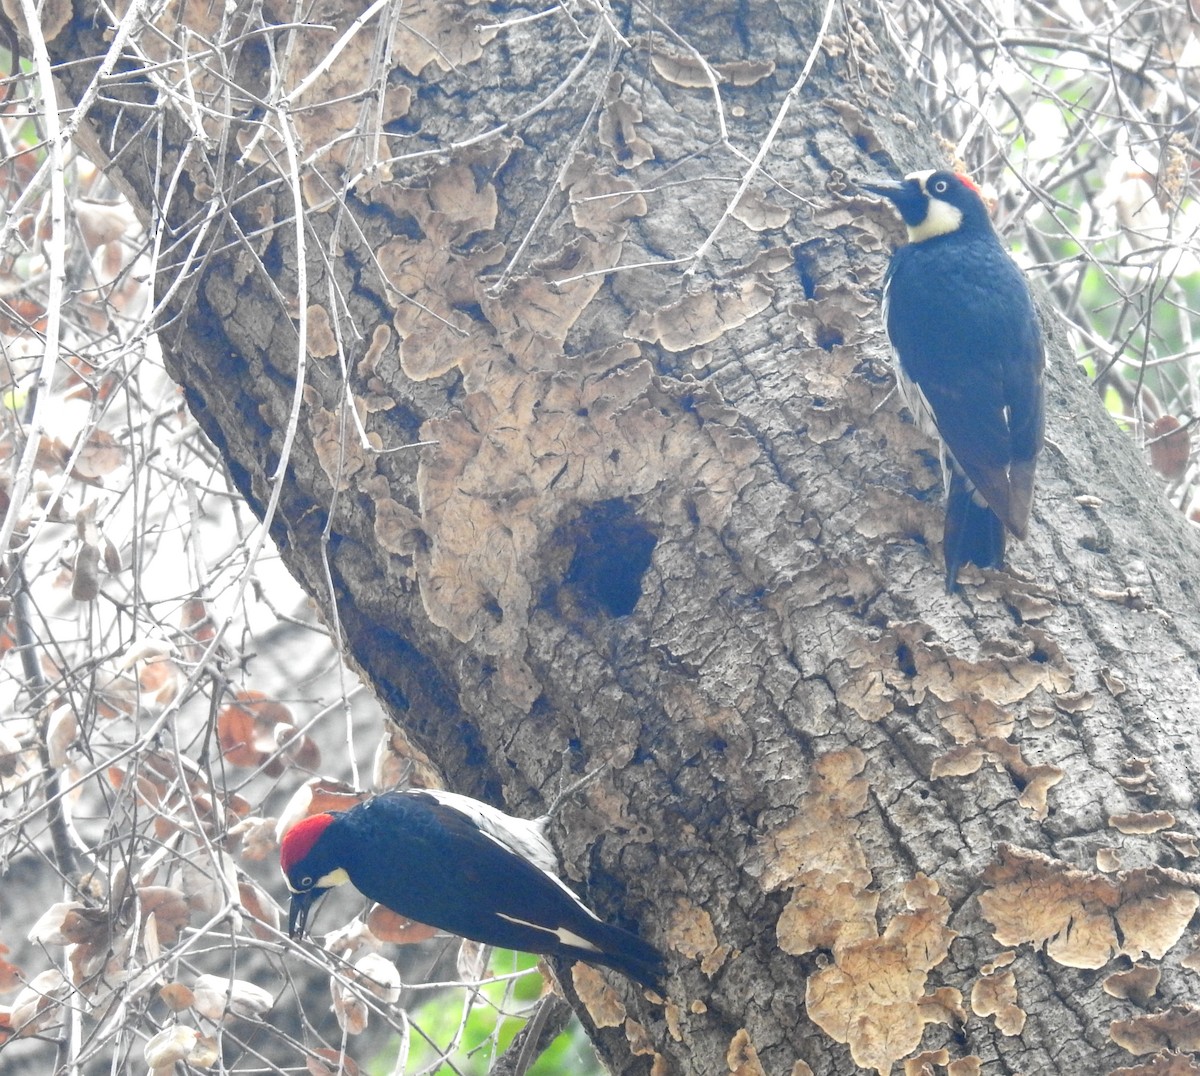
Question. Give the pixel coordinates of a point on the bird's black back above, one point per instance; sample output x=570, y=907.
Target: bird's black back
x=973, y=309
x=963, y=325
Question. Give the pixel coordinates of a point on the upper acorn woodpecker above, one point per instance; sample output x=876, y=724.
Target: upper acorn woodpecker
x=970, y=360
x=460, y=865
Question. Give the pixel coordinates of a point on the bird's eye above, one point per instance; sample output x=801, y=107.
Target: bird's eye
x=306, y=882
x=941, y=187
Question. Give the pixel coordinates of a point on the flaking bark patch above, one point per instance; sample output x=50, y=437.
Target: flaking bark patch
x=435, y=269
x=1139, y=984
x=619, y=127
x=823, y=835
x=339, y=449
x=1035, y=781
x=638, y=1037
x=322, y=342
x=702, y=317
x=995, y=995
x=1178, y=1028
x=1142, y=821
x=602, y=1002
x=1083, y=919
x=875, y=674
x=446, y=34
x=873, y=996
x=759, y=214
x=687, y=70
x=923, y=1064
x=742, y=1057
x=690, y=932
x=557, y=442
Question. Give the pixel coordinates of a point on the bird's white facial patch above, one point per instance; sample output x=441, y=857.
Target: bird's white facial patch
x=561, y=933
x=941, y=219
x=333, y=878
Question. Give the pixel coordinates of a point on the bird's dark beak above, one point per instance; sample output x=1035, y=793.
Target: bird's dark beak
x=891, y=191
x=909, y=198
x=298, y=912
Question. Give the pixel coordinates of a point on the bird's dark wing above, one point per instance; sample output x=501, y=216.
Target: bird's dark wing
x=978, y=363
x=1027, y=421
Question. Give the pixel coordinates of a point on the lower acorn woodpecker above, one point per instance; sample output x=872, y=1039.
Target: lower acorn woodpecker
x=969, y=360
x=460, y=865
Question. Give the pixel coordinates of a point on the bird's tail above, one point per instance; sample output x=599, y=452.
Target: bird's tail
x=974, y=533
x=626, y=953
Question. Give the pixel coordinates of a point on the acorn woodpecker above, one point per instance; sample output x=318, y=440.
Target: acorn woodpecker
x=460, y=865
x=970, y=360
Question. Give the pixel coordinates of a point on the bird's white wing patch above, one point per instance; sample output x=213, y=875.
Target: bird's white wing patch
x=922, y=413
x=918, y=406
x=565, y=936
x=914, y=399
x=522, y=836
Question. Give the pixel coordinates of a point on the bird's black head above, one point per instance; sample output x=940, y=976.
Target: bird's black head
x=308, y=857
x=935, y=203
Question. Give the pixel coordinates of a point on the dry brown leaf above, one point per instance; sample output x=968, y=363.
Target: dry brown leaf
x=327, y=1062
x=1170, y=446
x=85, y=573
x=378, y=976
x=264, y=912
x=11, y=976
x=71, y=923
x=218, y=997
x=170, y=909
x=170, y=1045
x=350, y=1009
x=257, y=838
x=37, y=1006
x=389, y=926
x=176, y=996
x=101, y=455
x=247, y=731
x=315, y=796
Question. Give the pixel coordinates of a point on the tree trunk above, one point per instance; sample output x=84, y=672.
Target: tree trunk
x=673, y=522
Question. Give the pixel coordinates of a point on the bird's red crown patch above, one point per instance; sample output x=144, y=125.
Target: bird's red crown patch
x=298, y=841
x=967, y=182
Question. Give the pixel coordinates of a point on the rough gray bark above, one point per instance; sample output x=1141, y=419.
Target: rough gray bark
x=674, y=526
